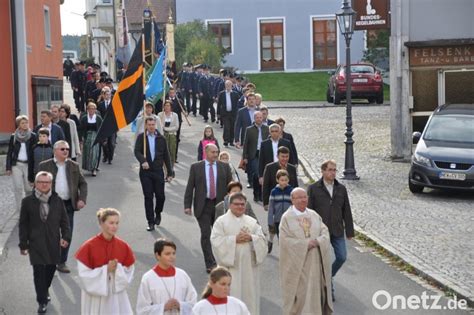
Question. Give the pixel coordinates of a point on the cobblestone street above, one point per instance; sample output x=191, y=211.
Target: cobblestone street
x=432, y=231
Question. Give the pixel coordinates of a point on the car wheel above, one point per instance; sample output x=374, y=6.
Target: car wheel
x=328, y=96
x=380, y=98
x=337, y=98
x=415, y=189
x=371, y=100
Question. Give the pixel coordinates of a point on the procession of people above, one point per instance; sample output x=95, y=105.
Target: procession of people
x=47, y=166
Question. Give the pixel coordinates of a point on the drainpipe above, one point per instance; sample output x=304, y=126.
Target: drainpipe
x=15, y=60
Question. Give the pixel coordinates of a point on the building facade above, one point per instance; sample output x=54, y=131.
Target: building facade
x=31, y=54
x=277, y=35
x=431, y=62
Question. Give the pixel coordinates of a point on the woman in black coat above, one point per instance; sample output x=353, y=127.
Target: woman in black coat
x=43, y=229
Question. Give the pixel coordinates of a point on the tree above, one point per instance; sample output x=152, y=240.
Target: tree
x=377, y=48
x=194, y=43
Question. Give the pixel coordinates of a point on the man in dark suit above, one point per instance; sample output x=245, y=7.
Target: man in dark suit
x=245, y=117
x=254, y=136
x=186, y=85
x=152, y=176
x=269, y=150
x=330, y=200
x=43, y=229
x=205, y=95
x=269, y=174
x=195, y=75
x=78, y=81
x=227, y=111
x=266, y=120
x=108, y=145
x=289, y=137
x=69, y=184
x=55, y=132
x=207, y=186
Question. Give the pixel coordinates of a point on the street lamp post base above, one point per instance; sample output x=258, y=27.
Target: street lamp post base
x=349, y=175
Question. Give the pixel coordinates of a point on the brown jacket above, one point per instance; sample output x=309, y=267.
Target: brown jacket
x=76, y=181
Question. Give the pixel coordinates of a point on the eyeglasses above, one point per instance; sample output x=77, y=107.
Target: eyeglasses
x=64, y=149
x=44, y=182
x=240, y=204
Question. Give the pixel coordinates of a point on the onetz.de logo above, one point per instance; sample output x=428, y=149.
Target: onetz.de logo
x=383, y=300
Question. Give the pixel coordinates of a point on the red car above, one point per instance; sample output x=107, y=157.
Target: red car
x=366, y=81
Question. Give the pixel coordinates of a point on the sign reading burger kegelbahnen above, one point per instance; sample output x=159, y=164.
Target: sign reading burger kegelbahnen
x=371, y=14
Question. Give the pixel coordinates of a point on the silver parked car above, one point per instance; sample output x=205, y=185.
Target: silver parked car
x=444, y=155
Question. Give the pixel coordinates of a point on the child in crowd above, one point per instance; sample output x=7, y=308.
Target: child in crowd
x=216, y=299
x=224, y=156
x=42, y=151
x=166, y=289
x=279, y=202
x=207, y=138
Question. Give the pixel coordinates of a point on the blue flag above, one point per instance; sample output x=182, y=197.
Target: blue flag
x=155, y=82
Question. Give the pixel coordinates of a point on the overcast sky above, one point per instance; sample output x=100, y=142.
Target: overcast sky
x=72, y=17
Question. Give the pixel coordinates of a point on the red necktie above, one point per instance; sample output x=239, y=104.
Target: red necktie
x=212, y=186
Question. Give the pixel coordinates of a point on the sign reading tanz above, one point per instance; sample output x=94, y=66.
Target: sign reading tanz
x=442, y=56
x=371, y=14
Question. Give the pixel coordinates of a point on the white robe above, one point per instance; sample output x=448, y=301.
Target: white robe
x=242, y=259
x=104, y=293
x=233, y=307
x=152, y=295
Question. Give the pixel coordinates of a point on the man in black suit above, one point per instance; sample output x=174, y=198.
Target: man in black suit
x=289, y=137
x=205, y=94
x=195, y=75
x=227, y=111
x=245, y=117
x=206, y=187
x=266, y=120
x=78, y=81
x=55, y=132
x=269, y=150
x=254, y=136
x=108, y=146
x=269, y=174
x=152, y=176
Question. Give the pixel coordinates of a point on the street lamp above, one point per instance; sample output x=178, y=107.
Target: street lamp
x=346, y=21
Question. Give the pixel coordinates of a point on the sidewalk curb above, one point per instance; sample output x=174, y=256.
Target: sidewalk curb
x=421, y=269
x=5, y=233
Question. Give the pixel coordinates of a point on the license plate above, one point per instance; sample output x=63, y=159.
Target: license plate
x=452, y=176
x=360, y=80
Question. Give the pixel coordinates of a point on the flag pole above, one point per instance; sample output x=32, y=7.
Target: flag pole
x=144, y=98
x=165, y=77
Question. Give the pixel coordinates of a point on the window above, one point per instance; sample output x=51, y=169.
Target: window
x=223, y=32
x=47, y=27
x=324, y=43
x=271, y=45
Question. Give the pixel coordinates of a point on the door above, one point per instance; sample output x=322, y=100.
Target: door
x=458, y=86
x=271, y=45
x=324, y=44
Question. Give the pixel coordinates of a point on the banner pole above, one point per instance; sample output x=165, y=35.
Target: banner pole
x=144, y=97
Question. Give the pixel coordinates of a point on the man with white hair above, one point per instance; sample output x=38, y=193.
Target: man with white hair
x=305, y=266
x=43, y=229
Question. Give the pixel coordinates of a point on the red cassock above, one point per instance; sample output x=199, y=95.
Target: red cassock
x=98, y=251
